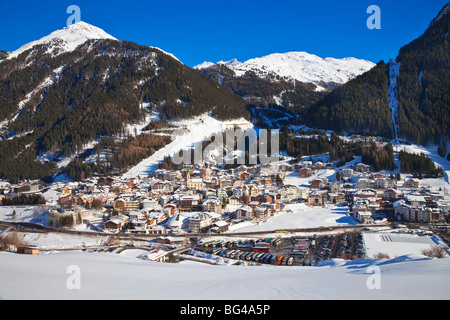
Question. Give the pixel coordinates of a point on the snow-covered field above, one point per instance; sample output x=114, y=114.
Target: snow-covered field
x=301, y=216
x=113, y=276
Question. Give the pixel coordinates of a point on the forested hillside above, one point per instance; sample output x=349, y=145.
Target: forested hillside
x=422, y=92
x=57, y=104
x=360, y=106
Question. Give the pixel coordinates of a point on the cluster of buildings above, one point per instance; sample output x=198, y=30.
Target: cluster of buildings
x=209, y=199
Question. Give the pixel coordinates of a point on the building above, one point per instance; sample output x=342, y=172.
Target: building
x=245, y=212
x=306, y=172
x=200, y=222
x=190, y=202
x=28, y=250
x=315, y=199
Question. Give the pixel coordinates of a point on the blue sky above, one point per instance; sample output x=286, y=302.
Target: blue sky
x=198, y=30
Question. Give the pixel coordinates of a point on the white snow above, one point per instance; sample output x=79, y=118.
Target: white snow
x=67, y=38
x=115, y=276
x=301, y=216
x=300, y=66
x=395, y=244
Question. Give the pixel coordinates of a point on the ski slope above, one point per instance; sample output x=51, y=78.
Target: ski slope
x=188, y=132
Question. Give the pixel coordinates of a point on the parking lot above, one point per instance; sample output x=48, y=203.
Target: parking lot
x=295, y=250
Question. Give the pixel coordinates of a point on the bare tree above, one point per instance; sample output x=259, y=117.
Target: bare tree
x=11, y=241
x=381, y=255
x=434, y=252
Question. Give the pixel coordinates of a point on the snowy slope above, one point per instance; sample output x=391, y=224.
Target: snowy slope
x=66, y=39
x=187, y=133
x=114, y=276
x=301, y=66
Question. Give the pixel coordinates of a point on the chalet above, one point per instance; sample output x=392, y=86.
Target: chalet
x=157, y=255
x=346, y=173
x=315, y=199
x=391, y=194
x=172, y=240
x=336, y=197
x=126, y=204
x=415, y=200
x=290, y=193
x=361, y=167
x=261, y=213
x=244, y=175
x=212, y=205
x=364, y=217
x=141, y=225
x=219, y=226
x=115, y=223
x=234, y=200
x=306, y=172
x=28, y=250
x=411, y=183
x=245, y=213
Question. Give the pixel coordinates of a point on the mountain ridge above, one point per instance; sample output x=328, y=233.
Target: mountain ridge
x=298, y=65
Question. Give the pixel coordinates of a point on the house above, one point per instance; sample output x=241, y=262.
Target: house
x=261, y=213
x=195, y=183
x=391, y=194
x=290, y=193
x=319, y=183
x=306, y=172
x=219, y=226
x=245, y=213
x=199, y=222
x=172, y=240
x=115, y=223
x=141, y=225
x=364, y=217
x=315, y=199
x=157, y=255
x=28, y=250
x=346, y=173
x=336, y=197
x=415, y=200
x=361, y=167
x=212, y=205
x=190, y=202
x=411, y=183
x=125, y=204
x=365, y=194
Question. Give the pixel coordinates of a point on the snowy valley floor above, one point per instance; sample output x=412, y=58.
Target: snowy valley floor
x=112, y=276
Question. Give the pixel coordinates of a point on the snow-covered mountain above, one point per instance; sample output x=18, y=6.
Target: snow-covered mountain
x=298, y=65
x=66, y=39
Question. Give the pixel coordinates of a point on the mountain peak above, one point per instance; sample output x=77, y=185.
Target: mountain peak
x=67, y=38
x=301, y=66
